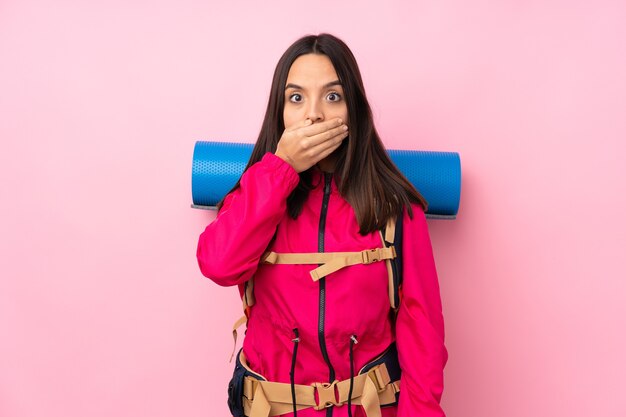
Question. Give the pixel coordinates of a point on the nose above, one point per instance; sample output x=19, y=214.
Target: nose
x=314, y=111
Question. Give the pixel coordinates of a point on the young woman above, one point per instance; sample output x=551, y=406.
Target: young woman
x=320, y=184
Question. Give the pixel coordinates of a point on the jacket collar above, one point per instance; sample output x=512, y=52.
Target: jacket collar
x=317, y=179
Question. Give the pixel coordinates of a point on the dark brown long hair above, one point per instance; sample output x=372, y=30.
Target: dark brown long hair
x=366, y=177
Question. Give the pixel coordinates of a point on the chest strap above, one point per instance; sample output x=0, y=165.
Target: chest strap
x=332, y=261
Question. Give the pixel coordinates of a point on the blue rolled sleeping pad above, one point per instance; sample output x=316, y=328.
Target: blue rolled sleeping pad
x=217, y=166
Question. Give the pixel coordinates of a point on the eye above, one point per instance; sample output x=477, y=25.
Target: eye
x=335, y=96
x=293, y=97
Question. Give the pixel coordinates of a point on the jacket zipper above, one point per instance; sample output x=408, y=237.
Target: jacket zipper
x=322, y=284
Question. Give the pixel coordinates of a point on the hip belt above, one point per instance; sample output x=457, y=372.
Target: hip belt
x=377, y=385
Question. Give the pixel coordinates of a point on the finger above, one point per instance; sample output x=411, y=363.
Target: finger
x=328, y=151
x=331, y=144
x=327, y=135
x=317, y=128
x=335, y=141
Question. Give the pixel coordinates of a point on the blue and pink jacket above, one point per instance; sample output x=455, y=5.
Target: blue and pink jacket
x=351, y=301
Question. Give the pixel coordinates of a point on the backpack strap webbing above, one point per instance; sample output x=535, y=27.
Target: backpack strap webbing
x=334, y=261
x=393, y=238
x=390, y=252
x=371, y=389
x=331, y=261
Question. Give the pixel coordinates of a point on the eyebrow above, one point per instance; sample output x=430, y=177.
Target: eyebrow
x=297, y=87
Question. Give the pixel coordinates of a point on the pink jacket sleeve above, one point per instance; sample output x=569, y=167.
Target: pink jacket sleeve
x=420, y=326
x=231, y=246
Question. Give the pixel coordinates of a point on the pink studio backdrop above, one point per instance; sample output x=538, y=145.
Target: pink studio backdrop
x=103, y=310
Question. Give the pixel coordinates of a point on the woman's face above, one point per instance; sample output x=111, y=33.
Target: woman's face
x=313, y=91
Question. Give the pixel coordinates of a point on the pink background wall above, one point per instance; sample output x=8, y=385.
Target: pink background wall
x=103, y=310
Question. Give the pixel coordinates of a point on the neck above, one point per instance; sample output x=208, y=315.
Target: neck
x=327, y=164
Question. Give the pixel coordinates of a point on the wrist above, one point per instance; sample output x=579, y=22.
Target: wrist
x=286, y=158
